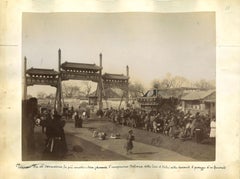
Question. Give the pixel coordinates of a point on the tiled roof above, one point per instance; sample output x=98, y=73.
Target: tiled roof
x=170, y=93
x=114, y=76
x=198, y=95
x=166, y=93
x=41, y=71
x=84, y=66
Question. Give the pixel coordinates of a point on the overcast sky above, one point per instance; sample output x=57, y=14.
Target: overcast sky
x=152, y=44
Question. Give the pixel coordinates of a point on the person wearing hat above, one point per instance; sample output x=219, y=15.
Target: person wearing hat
x=56, y=144
x=198, y=130
x=193, y=125
x=129, y=144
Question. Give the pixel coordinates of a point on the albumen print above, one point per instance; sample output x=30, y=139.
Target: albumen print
x=119, y=86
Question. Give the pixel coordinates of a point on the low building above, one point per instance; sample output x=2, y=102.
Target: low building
x=203, y=102
x=161, y=98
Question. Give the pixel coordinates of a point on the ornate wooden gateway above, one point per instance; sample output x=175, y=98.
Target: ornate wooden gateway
x=74, y=71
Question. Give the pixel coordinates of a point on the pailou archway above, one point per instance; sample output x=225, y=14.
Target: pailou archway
x=74, y=71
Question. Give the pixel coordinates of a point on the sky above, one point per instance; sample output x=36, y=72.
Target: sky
x=151, y=44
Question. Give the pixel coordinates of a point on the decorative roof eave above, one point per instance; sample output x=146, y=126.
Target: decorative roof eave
x=82, y=66
x=210, y=101
x=114, y=76
x=41, y=71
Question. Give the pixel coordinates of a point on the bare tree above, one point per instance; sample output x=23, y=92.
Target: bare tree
x=165, y=83
x=179, y=81
x=204, y=84
x=170, y=81
x=88, y=88
x=70, y=91
x=136, y=90
x=41, y=95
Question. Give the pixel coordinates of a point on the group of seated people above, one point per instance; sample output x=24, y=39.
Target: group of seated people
x=173, y=123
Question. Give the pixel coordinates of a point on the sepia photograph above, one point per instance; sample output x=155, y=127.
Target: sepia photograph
x=118, y=86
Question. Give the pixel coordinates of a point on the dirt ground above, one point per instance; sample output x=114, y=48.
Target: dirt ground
x=197, y=151
x=89, y=151
x=147, y=145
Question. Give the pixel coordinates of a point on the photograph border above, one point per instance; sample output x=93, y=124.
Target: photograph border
x=227, y=69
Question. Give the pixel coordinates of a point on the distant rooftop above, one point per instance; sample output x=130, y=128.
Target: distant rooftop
x=82, y=66
x=198, y=95
x=191, y=93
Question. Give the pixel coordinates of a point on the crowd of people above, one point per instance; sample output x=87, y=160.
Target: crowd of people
x=173, y=123
x=169, y=122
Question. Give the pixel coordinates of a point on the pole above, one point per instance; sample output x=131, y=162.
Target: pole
x=100, y=83
x=127, y=90
x=57, y=102
x=25, y=79
x=59, y=83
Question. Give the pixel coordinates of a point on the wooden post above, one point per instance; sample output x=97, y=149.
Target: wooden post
x=58, y=99
x=25, y=79
x=59, y=83
x=127, y=90
x=100, y=83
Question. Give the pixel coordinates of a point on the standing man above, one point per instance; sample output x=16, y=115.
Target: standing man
x=213, y=130
x=56, y=144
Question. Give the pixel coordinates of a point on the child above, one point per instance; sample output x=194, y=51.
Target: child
x=129, y=144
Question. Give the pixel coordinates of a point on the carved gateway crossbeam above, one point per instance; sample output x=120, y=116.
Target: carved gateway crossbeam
x=37, y=76
x=115, y=81
x=80, y=71
x=74, y=71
